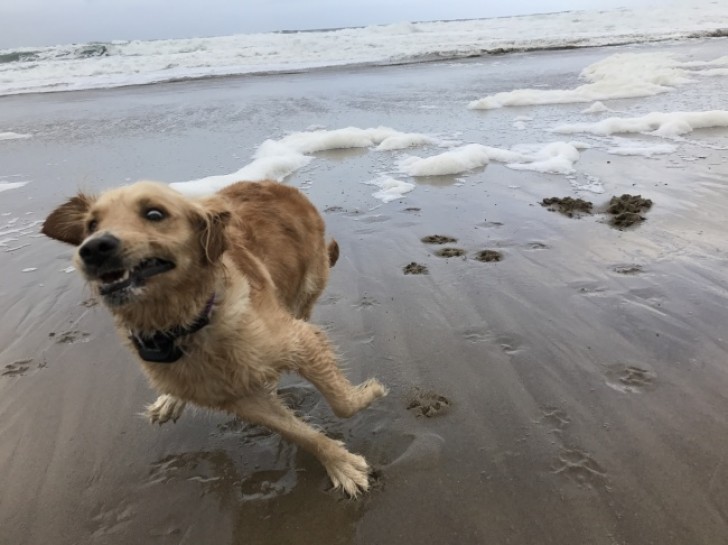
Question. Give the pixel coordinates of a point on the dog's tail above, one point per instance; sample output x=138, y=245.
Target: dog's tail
x=333, y=252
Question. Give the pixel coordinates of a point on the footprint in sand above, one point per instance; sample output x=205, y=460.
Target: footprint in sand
x=537, y=246
x=488, y=256
x=414, y=268
x=330, y=299
x=628, y=269
x=438, y=239
x=589, y=288
x=217, y=472
x=630, y=378
x=490, y=224
x=367, y=301
x=450, y=252
x=579, y=466
x=510, y=344
x=265, y=485
x=17, y=368
x=427, y=403
x=70, y=337
x=477, y=335
x=554, y=417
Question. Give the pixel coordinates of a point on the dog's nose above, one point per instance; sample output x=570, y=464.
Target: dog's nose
x=99, y=249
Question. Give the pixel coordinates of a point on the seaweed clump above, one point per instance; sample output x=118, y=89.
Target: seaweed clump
x=568, y=206
x=627, y=210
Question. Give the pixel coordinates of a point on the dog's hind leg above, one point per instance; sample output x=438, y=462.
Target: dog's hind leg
x=318, y=365
x=347, y=471
x=313, y=284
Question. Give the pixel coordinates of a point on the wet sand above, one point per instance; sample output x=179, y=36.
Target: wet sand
x=574, y=391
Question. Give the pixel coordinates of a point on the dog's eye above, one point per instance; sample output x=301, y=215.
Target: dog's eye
x=92, y=225
x=154, y=214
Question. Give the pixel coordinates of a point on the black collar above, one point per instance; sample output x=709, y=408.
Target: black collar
x=160, y=347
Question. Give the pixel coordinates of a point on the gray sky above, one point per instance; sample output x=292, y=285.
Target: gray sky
x=51, y=22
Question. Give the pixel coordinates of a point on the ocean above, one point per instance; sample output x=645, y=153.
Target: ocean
x=101, y=65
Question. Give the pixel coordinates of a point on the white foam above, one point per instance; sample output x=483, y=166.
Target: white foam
x=715, y=72
x=667, y=125
x=14, y=136
x=390, y=188
x=644, y=149
x=552, y=158
x=267, y=168
x=322, y=140
x=623, y=75
x=596, y=108
x=451, y=162
x=277, y=159
x=409, y=140
x=5, y=186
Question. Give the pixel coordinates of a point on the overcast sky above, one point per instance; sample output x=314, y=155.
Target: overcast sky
x=51, y=22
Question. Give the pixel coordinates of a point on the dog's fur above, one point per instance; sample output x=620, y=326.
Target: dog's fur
x=260, y=248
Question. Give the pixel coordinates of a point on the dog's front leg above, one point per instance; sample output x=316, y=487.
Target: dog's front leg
x=164, y=409
x=347, y=471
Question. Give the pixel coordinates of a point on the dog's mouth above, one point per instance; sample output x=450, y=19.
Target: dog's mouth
x=120, y=279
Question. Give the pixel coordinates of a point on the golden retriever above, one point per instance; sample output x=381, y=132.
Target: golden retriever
x=213, y=295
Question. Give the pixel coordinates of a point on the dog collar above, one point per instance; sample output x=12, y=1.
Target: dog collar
x=161, y=346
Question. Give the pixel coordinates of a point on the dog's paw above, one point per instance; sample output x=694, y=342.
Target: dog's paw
x=164, y=409
x=349, y=473
x=361, y=397
x=374, y=389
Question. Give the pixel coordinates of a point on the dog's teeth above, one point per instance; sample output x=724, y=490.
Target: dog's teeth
x=123, y=278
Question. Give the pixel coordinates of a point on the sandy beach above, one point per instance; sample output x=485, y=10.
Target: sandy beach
x=573, y=392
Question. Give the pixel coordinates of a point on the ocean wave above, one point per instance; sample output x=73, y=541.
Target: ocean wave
x=83, y=51
x=137, y=62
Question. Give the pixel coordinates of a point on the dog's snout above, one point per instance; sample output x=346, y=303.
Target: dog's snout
x=97, y=250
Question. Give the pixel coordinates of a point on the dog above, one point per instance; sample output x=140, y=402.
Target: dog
x=213, y=296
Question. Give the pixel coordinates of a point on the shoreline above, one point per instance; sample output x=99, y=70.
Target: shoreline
x=432, y=58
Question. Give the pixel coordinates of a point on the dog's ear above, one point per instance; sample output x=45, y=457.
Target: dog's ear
x=211, y=225
x=65, y=223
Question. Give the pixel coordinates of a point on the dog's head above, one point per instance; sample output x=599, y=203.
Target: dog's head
x=141, y=240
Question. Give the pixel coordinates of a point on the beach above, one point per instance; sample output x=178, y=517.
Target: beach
x=574, y=391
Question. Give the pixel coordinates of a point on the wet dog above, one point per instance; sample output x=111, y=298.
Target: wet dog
x=213, y=296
